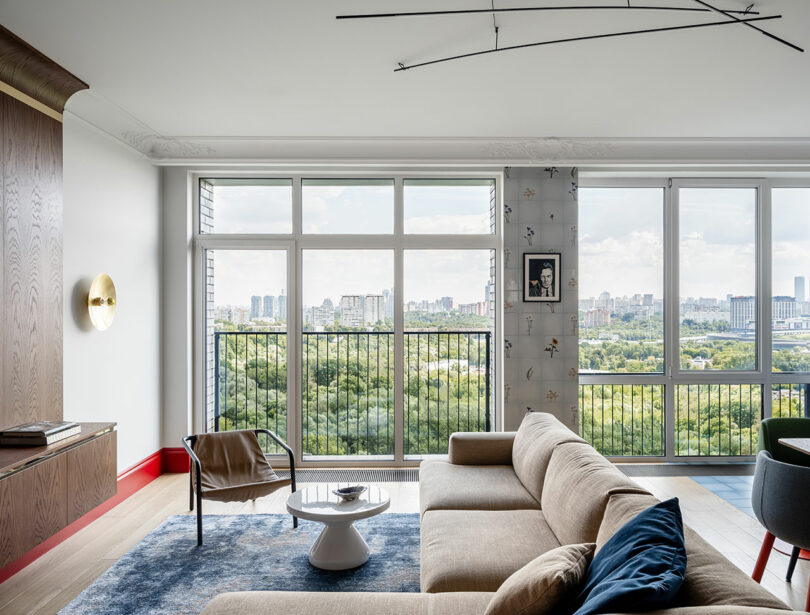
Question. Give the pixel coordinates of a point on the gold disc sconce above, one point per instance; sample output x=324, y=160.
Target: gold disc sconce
x=101, y=302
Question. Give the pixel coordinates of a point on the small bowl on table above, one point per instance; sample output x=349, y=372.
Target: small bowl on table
x=349, y=494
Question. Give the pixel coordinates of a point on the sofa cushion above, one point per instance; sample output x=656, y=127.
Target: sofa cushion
x=477, y=550
x=483, y=448
x=347, y=603
x=578, y=484
x=447, y=486
x=536, y=438
x=710, y=578
x=641, y=567
x=545, y=584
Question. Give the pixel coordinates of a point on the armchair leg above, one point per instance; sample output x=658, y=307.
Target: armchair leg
x=295, y=522
x=190, y=489
x=199, y=520
x=764, y=554
x=794, y=556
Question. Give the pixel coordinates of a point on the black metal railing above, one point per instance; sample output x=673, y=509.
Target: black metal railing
x=348, y=393
x=250, y=382
x=790, y=400
x=717, y=419
x=623, y=420
x=348, y=388
x=447, y=387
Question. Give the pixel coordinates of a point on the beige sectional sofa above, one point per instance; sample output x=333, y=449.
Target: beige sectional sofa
x=495, y=503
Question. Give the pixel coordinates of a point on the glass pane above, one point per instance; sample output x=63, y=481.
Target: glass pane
x=355, y=206
x=791, y=264
x=462, y=206
x=246, y=341
x=447, y=345
x=348, y=353
x=717, y=419
x=246, y=206
x=718, y=305
x=621, y=258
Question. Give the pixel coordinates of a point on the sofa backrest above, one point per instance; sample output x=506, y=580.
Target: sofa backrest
x=577, y=487
x=710, y=578
x=536, y=438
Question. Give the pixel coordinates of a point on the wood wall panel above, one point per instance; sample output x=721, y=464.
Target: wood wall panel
x=31, y=281
x=91, y=475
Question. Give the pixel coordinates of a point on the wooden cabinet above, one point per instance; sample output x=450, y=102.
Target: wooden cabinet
x=89, y=480
x=53, y=488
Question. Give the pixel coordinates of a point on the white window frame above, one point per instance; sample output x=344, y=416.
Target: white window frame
x=673, y=375
x=296, y=242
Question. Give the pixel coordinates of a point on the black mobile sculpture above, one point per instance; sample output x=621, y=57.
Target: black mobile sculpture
x=748, y=16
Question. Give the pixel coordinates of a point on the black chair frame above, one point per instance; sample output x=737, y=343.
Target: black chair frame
x=196, y=467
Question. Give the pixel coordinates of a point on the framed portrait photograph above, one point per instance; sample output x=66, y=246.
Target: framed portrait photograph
x=541, y=277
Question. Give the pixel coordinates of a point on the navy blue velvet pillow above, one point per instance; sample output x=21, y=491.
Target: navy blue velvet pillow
x=641, y=567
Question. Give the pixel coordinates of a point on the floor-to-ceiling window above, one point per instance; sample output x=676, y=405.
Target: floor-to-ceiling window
x=354, y=316
x=677, y=278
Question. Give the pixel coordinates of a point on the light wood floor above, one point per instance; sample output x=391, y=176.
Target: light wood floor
x=52, y=581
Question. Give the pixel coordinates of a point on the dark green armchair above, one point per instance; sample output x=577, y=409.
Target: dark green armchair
x=770, y=430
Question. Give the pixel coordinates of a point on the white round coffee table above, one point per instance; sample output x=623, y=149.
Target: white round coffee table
x=339, y=546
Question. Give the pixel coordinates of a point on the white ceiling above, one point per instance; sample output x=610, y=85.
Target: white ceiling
x=265, y=68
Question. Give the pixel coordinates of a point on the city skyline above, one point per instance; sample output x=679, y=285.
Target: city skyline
x=258, y=303
x=240, y=274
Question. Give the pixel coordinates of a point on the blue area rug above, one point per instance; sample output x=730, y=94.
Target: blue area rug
x=167, y=573
x=736, y=490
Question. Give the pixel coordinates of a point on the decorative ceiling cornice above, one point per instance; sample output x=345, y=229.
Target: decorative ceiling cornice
x=437, y=151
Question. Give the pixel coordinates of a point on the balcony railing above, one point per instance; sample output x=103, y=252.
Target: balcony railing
x=250, y=382
x=623, y=420
x=347, y=406
x=447, y=387
x=790, y=400
x=717, y=419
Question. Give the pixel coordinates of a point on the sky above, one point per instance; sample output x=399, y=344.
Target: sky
x=621, y=240
x=356, y=206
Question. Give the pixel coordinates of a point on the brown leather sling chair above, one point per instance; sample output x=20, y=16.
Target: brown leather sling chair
x=230, y=466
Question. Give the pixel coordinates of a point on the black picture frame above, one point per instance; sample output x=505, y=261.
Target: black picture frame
x=535, y=265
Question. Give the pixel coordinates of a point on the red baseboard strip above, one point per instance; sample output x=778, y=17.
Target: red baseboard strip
x=175, y=460
x=131, y=480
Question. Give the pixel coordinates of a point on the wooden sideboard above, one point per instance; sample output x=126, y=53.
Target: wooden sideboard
x=46, y=488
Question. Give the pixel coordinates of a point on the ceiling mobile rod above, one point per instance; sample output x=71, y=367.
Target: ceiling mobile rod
x=745, y=22
x=621, y=7
x=402, y=67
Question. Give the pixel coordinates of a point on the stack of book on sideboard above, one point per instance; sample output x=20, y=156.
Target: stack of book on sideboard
x=38, y=434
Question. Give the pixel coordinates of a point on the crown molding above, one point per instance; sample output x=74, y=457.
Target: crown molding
x=162, y=150
x=33, y=78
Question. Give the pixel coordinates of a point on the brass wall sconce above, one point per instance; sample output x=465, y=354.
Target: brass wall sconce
x=101, y=302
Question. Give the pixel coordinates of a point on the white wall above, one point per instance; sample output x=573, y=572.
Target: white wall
x=112, y=225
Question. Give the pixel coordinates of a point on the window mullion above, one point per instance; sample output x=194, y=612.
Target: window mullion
x=765, y=288
x=399, y=324
x=671, y=314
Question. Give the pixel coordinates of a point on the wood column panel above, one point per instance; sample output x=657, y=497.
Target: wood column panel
x=31, y=276
x=34, y=507
x=91, y=476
